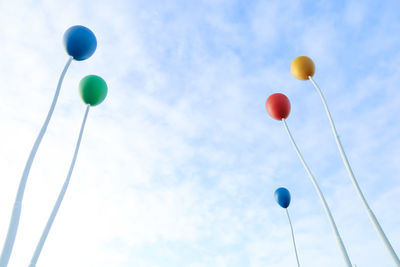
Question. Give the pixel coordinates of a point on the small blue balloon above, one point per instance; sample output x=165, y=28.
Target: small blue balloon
x=282, y=196
x=80, y=42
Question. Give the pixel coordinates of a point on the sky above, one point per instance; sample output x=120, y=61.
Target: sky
x=178, y=166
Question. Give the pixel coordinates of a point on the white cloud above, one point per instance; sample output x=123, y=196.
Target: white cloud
x=178, y=166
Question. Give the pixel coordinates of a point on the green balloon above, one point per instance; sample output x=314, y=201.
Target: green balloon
x=93, y=90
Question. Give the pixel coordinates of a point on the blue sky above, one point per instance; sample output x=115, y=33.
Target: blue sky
x=178, y=166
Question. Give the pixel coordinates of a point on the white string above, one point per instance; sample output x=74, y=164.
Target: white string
x=354, y=181
x=16, y=213
x=50, y=221
x=321, y=196
x=294, y=242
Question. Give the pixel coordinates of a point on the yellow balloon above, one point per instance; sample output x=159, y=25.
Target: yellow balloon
x=302, y=67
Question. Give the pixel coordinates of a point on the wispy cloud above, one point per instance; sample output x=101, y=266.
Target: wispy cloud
x=178, y=166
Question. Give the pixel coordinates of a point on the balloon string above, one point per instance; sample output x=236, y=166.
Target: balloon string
x=16, y=213
x=294, y=242
x=321, y=196
x=50, y=221
x=354, y=181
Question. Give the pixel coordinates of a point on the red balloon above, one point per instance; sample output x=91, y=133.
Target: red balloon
x=278, y=106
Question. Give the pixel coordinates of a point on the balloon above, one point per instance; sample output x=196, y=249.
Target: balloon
x=278, y=106
x=282, y=196
x=80, y=42
x=302, y=67
x=93, y=90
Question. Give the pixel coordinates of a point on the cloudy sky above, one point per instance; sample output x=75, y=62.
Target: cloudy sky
x=178, y=166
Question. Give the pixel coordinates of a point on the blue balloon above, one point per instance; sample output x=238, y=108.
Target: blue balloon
x=282, y=196
x=80, y=42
